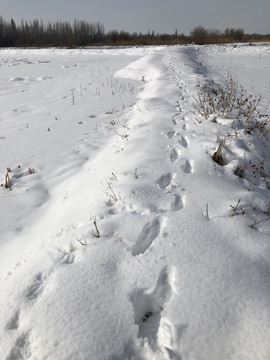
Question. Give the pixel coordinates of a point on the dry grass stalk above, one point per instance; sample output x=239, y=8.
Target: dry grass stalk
x=254, y=169
x=259, y=222
x=110, y=112
x=113, y=177
x=217, y=156
x=97, y=231
x=124, y=126
x=73, y=97
x=82, y=242
x=111, y=193
x=235, y=207
x=7, y=182
x=123, y=135
x=31, y=170
x=265, y=132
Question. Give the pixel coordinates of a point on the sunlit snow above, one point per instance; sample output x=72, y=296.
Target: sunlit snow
x=107, y=142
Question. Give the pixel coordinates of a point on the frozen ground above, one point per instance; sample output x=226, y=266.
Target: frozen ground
x=110, y=135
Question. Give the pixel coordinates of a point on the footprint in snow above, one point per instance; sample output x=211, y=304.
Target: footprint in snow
x=35, y=289
x=183, y=142
x=173, y=155
x=67, y=256
x=175, y=118
x=148, y=234
x=158, y=337
x=21, y=349
x=148, y=305
x=187, y=167
x=13, y=323
x=164, y=181
x=177, y=204
x=169, y=337
x=170, y=134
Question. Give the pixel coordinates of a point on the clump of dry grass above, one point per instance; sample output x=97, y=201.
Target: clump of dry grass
x=31, y=170
x=230, y=102
x=217, y=156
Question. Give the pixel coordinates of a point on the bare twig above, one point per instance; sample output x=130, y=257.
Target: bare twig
x=73, y=97
x=265, y=132
x=124, y=126
x=251, y=165
x=111, y=193
x=235, y=207
x=113, y=177
x=97, y=231
x=7, y=182
x=245, y=209
x=258, y=222
x=123, y=105
x=83, y=243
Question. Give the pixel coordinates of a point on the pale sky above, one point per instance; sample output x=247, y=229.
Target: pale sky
x=163, y=16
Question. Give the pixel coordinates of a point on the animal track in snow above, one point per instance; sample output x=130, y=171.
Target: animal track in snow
x=183, y=142
x=36, y=288
x=67, y=256
x=187, y=167
x=164, y=181
x=21, y=349
x=173, y=155
x=178, y=203
x=175, y=118
x=170, y=134
x=148, y=234
x=13, y=323
x=169, y=337
x=147, y=304
x=184, y=127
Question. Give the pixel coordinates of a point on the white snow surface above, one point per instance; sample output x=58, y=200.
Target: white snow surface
x=111, y=135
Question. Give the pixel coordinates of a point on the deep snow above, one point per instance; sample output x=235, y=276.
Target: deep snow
x=110, y=135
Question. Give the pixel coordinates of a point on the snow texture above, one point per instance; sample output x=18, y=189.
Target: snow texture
x=110, y=137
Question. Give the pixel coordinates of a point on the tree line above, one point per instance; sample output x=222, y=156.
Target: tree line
x=36, y=33
x=82, y=33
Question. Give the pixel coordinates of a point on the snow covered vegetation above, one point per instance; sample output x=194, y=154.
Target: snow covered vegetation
x=135, y=207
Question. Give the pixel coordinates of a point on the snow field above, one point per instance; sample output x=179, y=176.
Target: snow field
x=112, y=137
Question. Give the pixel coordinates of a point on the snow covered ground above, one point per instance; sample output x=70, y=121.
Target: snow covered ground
x=111, y=137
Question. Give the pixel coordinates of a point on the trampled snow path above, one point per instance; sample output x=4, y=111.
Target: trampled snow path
x=110, y=135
